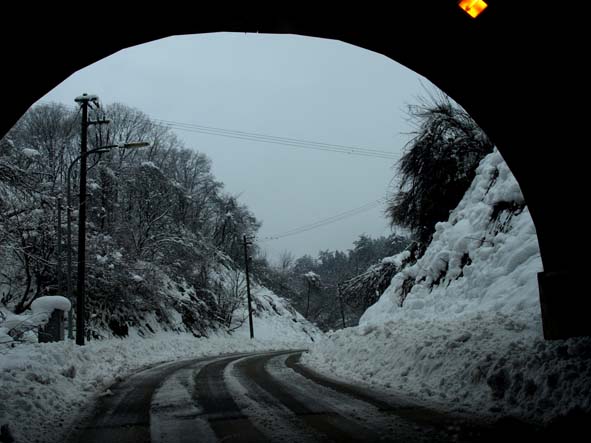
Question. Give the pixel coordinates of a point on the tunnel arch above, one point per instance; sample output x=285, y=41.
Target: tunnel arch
x=508, y=69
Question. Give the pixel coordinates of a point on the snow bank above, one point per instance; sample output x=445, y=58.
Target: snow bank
x=462, y=325
x=481, y=364
x=43, y=387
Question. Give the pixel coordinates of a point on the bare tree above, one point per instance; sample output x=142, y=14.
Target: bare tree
x=286, y=261
x=231, y=299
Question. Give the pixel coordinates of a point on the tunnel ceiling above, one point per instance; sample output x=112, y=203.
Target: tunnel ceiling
x=509, y=68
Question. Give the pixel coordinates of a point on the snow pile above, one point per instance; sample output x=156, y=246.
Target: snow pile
x=462, y=326
x=43, y=387
x=50, y=303
x=14, y=326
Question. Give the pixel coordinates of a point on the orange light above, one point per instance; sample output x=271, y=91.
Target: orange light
x=473, y=7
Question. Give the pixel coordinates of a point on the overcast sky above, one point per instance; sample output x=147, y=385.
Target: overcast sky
x=280, y=85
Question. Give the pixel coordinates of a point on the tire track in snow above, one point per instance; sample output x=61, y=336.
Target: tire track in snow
x=327, y=421
x=376, y=419
x=268, y=414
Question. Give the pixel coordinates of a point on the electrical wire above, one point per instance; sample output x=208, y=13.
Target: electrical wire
x=326, y=221
x=273, y=136
x=346, y=149
x=271, y=139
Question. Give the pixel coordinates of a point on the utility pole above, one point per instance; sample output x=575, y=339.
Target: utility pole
x=59, y=315
x=341, y=303
x=85, y=100
x=69, y=256
x=246, y=260
x=60, y=285
x=308, y=304
x=80, y=287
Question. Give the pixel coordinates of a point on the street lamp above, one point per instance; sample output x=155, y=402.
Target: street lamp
x=82, y=221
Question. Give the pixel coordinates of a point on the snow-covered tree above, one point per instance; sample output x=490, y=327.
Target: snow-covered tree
x=157, y=219
x=438, y=166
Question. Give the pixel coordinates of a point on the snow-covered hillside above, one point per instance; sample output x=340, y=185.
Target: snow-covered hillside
x=462, y=325
x=274, y=319
x=224, y=307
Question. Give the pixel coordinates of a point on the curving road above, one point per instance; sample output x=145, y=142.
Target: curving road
x=264, y=397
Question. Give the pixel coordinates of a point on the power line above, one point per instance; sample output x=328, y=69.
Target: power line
x=276, y=139
x=330, y=220
x=327, y=221
x=285, y=142
x=322, y=223
x=212, y=128
x=272, y=139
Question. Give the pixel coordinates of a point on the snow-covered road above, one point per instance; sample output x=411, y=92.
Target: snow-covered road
x=264, y=396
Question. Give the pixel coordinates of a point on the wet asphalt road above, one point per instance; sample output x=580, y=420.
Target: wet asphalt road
x=264, y=397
